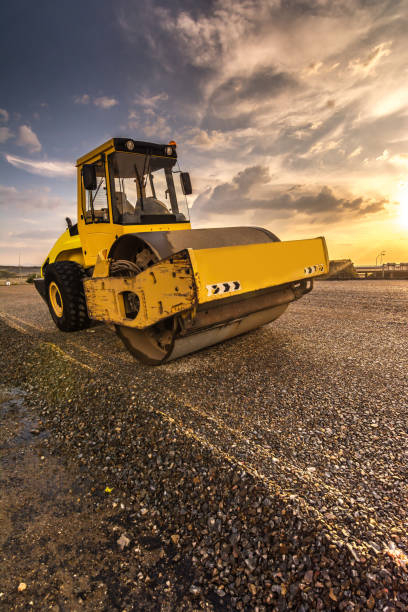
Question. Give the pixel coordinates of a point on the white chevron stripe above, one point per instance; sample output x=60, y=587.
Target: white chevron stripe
x=221, y=288
x=315, y=268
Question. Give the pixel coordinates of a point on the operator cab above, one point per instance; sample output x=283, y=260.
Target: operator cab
x=141, y=180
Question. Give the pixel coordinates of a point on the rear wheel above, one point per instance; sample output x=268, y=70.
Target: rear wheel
x=65, y=295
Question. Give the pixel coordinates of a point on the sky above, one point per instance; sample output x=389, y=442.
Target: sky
x=291, y=115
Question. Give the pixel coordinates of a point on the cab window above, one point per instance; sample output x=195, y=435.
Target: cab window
x=144, y=191
x=96, y=209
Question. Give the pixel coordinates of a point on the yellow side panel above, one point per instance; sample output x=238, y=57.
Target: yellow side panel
x=163, y=290
x=98, y=236
x=234, y=270
x=168, y=288
x=73, y=255
x=67, y=248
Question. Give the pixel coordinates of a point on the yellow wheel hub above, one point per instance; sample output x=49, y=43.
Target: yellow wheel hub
x=56, y=299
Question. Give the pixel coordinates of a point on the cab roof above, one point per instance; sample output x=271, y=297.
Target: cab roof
x=125, y=144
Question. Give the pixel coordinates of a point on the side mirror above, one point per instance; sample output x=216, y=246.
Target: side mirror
x=186, y=183
x=89, y=177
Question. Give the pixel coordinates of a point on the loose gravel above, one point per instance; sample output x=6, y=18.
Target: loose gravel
x=268, y=473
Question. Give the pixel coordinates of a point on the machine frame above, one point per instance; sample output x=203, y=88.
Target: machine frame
x=168, y=289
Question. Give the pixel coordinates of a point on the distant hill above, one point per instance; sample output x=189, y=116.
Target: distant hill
x=16, y=271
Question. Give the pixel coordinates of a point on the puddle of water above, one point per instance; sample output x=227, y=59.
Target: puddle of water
x=14, y=414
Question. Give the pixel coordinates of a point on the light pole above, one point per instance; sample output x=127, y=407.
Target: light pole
x=380, y=255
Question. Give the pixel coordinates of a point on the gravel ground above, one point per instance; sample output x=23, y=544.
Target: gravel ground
x=268, y=473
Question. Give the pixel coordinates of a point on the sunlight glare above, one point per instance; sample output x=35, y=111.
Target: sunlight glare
x=402, y=198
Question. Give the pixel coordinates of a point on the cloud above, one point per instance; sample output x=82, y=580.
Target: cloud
x=357, y=151
x=28, y=139
x=148, y=101
x=44, y=167
x=84, y=99
x=5, y=134
x=284, y=79
x=203, y=139
x=246, y=92
x=14, y=199
x=240, y=33
x=102, y=102
x=252, y=190
x=368, y=65
x=397, y=160
x=147, y=118
x=4, y=116
x=156, y=127
x=105, y=102
x=246, y=100
x=37, y=234
x=385, y=155
x=152, y=124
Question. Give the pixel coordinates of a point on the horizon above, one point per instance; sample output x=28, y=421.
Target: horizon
x=291, y=116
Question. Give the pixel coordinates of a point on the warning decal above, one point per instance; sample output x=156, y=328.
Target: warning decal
x=221, y=288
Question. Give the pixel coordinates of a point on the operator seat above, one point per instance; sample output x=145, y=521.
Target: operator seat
x=123, y=205
x=153, y=206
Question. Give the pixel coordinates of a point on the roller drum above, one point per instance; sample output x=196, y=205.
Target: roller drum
x=212, y=323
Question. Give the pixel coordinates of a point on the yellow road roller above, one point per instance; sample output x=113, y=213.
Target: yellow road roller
x=133, y=261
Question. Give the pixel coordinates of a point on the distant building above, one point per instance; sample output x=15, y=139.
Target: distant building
x=396, y=266
x=340, y=269
x=387, y=271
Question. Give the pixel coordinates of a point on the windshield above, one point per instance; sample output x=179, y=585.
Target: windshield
x=144, y=190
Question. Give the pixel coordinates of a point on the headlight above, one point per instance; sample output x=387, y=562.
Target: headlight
x=169, y=150
x=130, y=145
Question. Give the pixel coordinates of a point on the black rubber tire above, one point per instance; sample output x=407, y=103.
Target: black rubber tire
x=68, y=276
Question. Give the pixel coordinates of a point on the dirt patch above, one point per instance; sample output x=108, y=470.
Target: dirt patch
x=68, y=553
